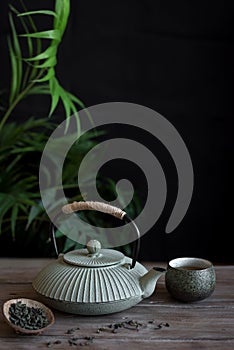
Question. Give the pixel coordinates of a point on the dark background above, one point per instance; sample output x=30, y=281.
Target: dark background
x=175, y=57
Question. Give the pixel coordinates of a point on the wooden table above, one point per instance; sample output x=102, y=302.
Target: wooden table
x=207, y=324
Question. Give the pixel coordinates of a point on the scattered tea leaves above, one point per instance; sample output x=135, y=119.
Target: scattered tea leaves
x=89, y=340
x=113, y=328
x=50, y=344
x=132, y=325
x=70, y=331
x=160, y=325
x=74, y=341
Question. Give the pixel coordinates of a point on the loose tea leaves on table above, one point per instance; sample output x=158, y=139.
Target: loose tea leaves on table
x=74, y=341
x=132, y=325
x=27, y=317
x=72, y=330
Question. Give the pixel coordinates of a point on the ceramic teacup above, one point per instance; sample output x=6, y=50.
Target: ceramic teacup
x=190, y=279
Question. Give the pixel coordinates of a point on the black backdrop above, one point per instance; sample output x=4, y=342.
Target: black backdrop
x=175, y=57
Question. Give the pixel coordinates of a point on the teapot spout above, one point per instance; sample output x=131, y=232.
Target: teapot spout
x=149, y=280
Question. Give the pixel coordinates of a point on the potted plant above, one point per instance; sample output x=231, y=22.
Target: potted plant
x=24, y=224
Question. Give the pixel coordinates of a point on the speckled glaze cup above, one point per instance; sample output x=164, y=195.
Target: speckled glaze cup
x=190, y=279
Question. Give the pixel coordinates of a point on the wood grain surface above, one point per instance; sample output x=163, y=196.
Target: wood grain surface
x=164, y=323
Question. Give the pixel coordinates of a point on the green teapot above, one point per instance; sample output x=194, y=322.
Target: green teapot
x=95, y=281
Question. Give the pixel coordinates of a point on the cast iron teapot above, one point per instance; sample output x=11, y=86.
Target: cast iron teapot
x=95, y=281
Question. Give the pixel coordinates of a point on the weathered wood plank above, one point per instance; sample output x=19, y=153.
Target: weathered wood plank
x=20, y=270
x=206, y=324
x=184, y=323
x=101, y=344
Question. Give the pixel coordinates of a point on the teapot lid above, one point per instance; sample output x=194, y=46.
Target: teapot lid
x=93, y=256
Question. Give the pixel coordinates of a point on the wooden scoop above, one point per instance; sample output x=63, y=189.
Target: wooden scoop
x=28, y=303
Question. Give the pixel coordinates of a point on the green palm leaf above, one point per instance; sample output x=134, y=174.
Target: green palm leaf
x=16, y=61
x=39, y=90
x=38, y=12
x=50, y=73
x=50, y=51
x=39, y=76
x=14, y=215
x=62, y=9
x=55, y=94
x=47, y=34
x=48, y=63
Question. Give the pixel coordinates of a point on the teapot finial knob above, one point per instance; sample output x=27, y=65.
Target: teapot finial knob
x=93, y=246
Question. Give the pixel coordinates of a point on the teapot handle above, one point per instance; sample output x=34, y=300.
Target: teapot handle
x=89, y=205
x=104, y=208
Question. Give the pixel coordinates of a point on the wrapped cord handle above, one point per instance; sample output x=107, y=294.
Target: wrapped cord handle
x=104, y=208
x=98, y=206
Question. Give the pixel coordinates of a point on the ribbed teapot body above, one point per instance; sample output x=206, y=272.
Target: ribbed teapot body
x=90, y=290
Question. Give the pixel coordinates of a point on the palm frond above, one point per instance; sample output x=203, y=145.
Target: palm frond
x=39, y=76
x=16, y=61
x=38, y=12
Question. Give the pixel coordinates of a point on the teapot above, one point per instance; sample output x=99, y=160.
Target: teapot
x=92, y=280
